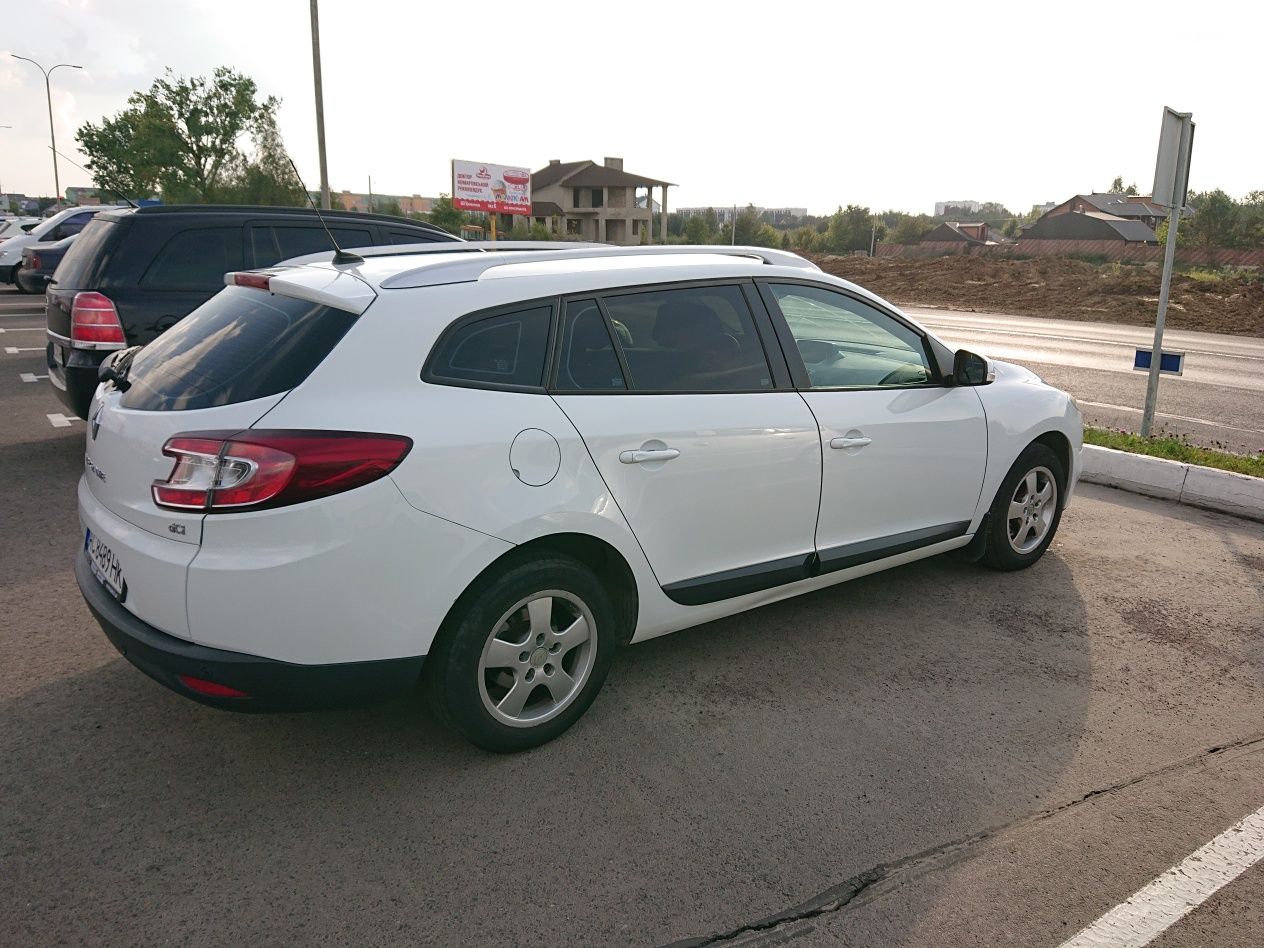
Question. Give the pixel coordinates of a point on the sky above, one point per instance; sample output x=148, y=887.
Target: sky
x=888, y=105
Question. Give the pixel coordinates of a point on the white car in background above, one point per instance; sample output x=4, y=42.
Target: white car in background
x=12, y=226
x=489, y=471
x=58, y=227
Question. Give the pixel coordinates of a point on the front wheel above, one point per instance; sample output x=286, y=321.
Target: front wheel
x=1028, y=507
x=524, y=653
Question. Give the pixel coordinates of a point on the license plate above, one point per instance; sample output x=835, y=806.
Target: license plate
x=105, y=566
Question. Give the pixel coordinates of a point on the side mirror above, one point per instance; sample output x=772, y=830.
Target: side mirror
x=27, y=228
x=971, y=369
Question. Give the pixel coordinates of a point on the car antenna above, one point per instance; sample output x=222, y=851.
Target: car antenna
x=94, y=175
x=340, y=255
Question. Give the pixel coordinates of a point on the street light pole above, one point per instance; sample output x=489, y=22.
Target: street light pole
x=48, y=91
x=320, y=108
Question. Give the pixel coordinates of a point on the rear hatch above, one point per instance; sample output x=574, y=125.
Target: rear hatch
x=219, y=370
x=80, y=269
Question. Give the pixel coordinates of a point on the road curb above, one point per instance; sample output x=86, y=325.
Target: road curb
x=1190, y=484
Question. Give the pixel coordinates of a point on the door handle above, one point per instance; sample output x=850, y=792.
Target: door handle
x=850, y=442
x=641, y=455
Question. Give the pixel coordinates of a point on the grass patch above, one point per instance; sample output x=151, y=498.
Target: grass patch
x=1175, y=449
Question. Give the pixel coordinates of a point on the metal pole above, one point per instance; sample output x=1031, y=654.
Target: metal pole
x=1152, y=382
x=370, y=194
x=52, y=135
x=873, y=236
x=733, y=230
x=320, y=109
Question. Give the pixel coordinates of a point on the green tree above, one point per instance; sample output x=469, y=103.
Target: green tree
x=696, y=230
x=387, y=206
x=1214, y=222
x=748, y=224
x=805, y=239
x=849, y=229
x=1117, y=187
x=712, y=221
x=445, y=216
x=183, y=134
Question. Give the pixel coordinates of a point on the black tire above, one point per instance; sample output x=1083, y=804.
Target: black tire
x=1000, y=551
x=14, y=277
x=460, y=691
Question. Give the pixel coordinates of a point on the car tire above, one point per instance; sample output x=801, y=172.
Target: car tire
x=523, y=653
x=1027, y=510
x=16, y=282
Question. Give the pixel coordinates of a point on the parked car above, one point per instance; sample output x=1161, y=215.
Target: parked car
x=39, y=263
x=137, y=272
x=488, y=472
x=13, y=226
x=62, y=224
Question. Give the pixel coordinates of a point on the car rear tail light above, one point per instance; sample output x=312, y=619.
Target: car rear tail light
x=250, y=470
x=255, y=281
x=93, y=318
x=211, y=688
x=35, y=262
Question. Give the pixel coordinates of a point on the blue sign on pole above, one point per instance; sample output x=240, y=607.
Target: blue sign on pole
x=1170, y=363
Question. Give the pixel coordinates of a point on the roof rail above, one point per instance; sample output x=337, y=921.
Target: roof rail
x=465, y=268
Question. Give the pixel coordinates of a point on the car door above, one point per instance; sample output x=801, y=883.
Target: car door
x=711, y=455
x=903, y=453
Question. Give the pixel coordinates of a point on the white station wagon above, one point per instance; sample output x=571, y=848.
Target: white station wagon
x=486, y=471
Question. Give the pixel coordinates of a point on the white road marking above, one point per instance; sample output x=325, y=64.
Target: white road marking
x=23, y=329
x=14, y=350
x=31, y=376
x=1180, y=890
x=62, y=421
x=1163, y=414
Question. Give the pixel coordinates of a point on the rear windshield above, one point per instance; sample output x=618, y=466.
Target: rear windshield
x=239, y=345
x=83, y=258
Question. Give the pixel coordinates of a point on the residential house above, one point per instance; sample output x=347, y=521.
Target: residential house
x=1088, y=225
x=1117, y=204
x=972, y=233
x=597, y=202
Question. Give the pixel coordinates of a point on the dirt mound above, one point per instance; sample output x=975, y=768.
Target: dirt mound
x=1061, y=289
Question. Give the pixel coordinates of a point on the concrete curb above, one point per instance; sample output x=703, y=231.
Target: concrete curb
x=1190, y=484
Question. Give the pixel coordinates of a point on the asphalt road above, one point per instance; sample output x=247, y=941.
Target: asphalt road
x=1218, y=402
x=934, y=755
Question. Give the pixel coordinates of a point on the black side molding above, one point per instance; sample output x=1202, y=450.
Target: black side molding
x=729, y=584
x=857, y=554
x=738, y=582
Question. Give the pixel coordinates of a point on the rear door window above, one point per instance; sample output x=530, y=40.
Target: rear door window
x=504, y=349
x=694, y=339
x=195, y=259
x=588, y=361
x=240, y=345
x=412, y=237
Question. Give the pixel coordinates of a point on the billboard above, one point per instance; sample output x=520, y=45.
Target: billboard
x=497, y=189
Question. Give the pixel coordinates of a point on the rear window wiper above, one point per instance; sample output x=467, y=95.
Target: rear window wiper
x=115, y=368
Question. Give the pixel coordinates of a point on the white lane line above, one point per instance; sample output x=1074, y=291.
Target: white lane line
x=1180, y=890
x=14, y=350
x=62, y=421
x=22, y=329
x=1163, y=414
x=31, y=376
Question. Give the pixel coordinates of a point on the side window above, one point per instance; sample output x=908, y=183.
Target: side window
x=588, y=361
x=297, y=241
x=72, y=225
x=410, y=237
x=848, y=344
x=504, y=349
x=699, y=339
x=196, y=259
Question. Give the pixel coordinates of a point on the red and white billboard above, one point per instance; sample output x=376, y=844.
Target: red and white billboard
x=497, y=189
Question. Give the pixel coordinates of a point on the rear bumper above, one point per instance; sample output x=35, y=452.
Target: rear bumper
x=75, y=381
x=33, y=282
x=270, y=685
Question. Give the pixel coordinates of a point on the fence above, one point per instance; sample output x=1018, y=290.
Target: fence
x=1107, y=249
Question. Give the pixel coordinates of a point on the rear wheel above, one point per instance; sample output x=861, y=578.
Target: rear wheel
x=524, y=653
x=1026, y=511
x=16, y=282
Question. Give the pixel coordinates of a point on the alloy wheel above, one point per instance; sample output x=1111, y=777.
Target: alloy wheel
x=1032, y=509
